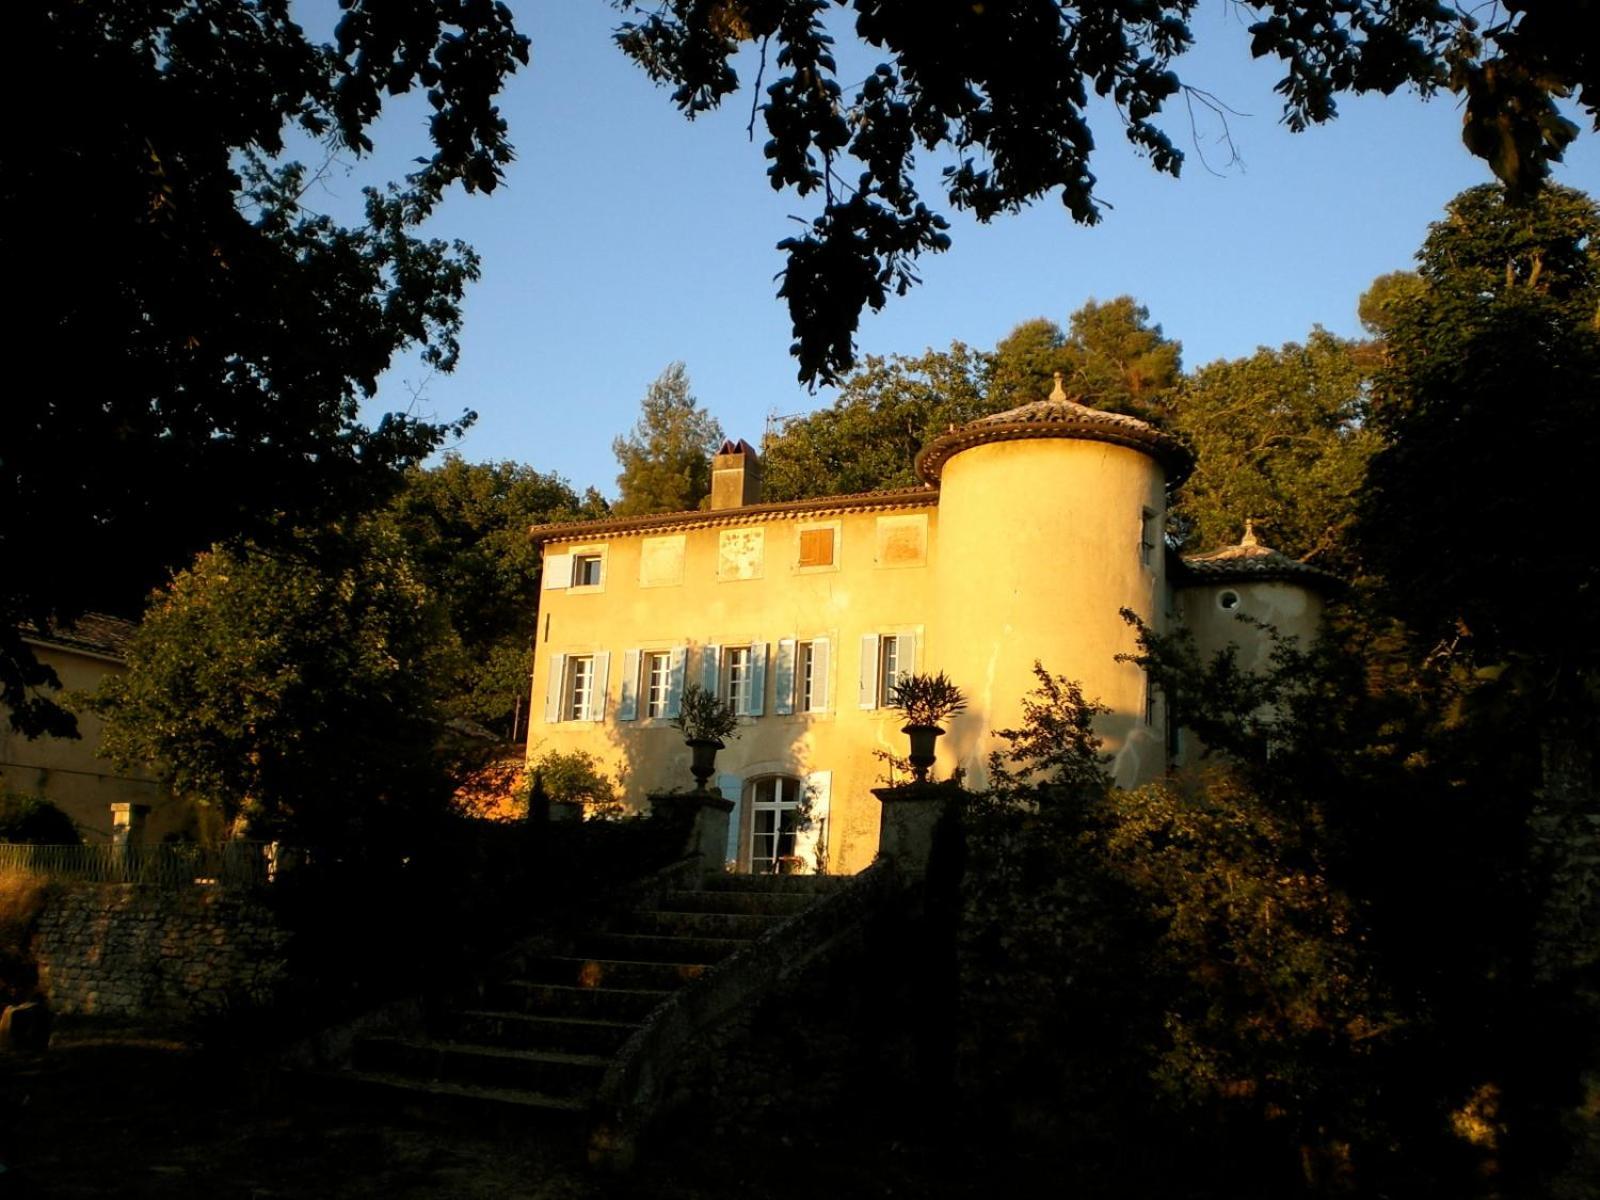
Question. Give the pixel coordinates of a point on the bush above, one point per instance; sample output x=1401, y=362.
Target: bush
x=33, y=820
x=575, y=778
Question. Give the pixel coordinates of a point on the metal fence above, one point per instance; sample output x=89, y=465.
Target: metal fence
x=224, y=864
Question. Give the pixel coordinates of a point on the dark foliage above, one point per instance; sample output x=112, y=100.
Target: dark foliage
x=203, y=342
x=1003, y=93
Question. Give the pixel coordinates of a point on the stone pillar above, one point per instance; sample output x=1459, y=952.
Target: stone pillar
x=707, y=815
x=911, y=812
x=127, y=824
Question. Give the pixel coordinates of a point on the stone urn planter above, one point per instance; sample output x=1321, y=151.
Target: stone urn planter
x=926, y=700
x=703, y=759
x=704, y=719
x=924, y=740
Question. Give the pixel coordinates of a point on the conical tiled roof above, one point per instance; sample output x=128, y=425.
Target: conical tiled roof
x=1252, y=562
x=1058, y=417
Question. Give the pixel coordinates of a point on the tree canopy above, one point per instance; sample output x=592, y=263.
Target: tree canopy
x=666, y=457
x=206, y=339
x=1485, y=398
x=1279, y=437
x=294, y=687
x=1002, y=92
x=869, y=438
x=1110, y=355
x=466, y=527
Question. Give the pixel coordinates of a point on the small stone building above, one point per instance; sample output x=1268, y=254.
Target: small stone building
x=1031, y=531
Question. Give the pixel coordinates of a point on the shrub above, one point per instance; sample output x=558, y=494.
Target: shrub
x=705, y=716
x=575, y=778
x=35, y=821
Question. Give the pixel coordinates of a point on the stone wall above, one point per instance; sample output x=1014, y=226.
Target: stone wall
x=131, y=952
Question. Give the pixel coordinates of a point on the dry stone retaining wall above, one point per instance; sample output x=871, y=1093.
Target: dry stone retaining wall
x=150, y=955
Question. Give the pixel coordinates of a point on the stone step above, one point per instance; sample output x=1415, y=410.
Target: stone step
x=657, y=948
x=700, y=924
x=559, y=1000
x=541, y=1072
x=808, y=885
x=612, y=973
x=750, y=903
x=466, y=1099
x=526, y=1031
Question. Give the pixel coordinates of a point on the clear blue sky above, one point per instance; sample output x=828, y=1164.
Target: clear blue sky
x=626, y=238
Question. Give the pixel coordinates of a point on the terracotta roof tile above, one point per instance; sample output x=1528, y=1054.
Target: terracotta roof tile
x=921, y=497
x=99, y=633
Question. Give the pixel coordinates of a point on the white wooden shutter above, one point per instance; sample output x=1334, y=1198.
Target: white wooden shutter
x=783, y=678
x=819, y=675
x=597, y=692
x=732, y=788
x=756, y=694
x=905, y=657
x=553, y=688
x=675, y=689
x=813, y=834
x=557, y=571
x=867, y=685
x=711, y=669
x=628, y=705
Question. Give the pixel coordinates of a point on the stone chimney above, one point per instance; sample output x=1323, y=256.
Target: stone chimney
x=735, y=475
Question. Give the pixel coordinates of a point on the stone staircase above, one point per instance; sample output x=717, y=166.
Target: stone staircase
x=542, y=1038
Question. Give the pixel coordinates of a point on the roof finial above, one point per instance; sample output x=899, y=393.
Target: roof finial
x=1249, y=538
x=1060, y=393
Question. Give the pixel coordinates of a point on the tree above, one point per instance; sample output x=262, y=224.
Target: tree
x=1111, y=357
x=466, y=527
x=1001, y=92
x=886, y=411
x=295, y=688
x=1280, y=437
x=666, y=459
x=211, y=338
x=1485, y=401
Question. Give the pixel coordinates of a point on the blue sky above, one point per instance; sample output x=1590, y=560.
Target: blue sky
x=627, y=237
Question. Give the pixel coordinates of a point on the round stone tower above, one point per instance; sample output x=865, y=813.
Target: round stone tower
x=1225, y=596
x=1050, y=523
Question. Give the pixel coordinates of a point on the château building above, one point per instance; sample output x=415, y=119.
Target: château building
x=1032, y=531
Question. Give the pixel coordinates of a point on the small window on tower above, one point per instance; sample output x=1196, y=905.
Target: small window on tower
x=585, y=570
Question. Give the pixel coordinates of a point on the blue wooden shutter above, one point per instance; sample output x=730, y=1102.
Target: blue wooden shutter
x=711, y=668
x=867, y=684
x=732, y=788
x=675, y=692
x=628, y=705
x=756, y=694
x=819, y=675
x=553, y=688
x=597, y=692
x=811, y=841
x=557, y=571
x=783, y=678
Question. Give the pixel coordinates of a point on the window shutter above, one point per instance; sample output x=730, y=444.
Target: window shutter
x=756, y=693
x=675, y=688
x=597, y=693
x=557, y=571
x=732, y=788
x=819, y=675
x=711, y=668
x=867, y=686
x=811, y=840
x=553, y=688
x=628, y=706
x=905, y=654
x=783, y=679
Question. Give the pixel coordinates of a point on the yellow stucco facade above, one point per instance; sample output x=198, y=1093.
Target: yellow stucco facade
x=1034, y=529
x=70, y=772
